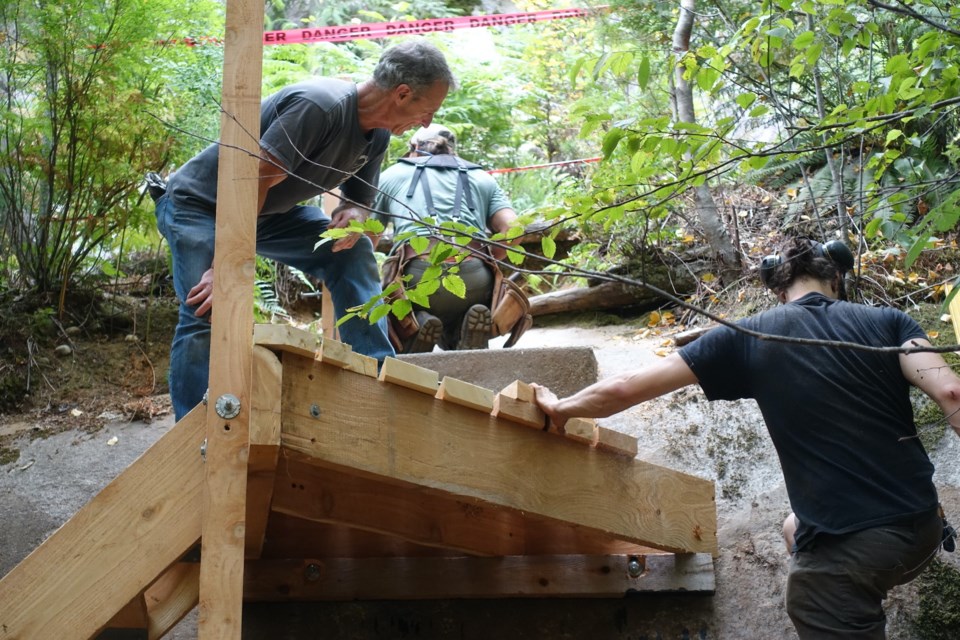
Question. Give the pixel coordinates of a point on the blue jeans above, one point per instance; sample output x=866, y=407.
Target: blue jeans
x=350, y=275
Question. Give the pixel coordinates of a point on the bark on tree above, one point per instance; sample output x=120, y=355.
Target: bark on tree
x=708, y=215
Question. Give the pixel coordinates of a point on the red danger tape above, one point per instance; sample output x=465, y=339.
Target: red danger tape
x=544, y=166
x=343, y=33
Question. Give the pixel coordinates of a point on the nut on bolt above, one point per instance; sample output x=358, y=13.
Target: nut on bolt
x=228, y=406
x=312, y=572
x=635, y=566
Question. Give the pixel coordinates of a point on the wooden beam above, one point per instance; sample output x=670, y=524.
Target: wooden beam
x=114, y=547
x=519, y=411
x=172, y=597
x=465, y=577
x=265, y=416
x=336, y=353
x=410, y=437
x=286, y=338
x=225, y=485
x=425, y=516
x=465, y=394
x=954, y=308
x=292, y=537
x=581, y=430
x=616, y=441
x=410, y=376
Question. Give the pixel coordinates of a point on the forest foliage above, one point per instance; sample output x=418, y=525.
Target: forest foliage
x=840, y=115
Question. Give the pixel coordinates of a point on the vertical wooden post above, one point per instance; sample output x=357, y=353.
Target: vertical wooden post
x=227, y=446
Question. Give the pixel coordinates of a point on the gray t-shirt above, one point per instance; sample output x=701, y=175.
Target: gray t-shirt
x=313, y=128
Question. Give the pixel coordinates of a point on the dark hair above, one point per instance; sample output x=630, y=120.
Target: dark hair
x=436, y=146
x=800, y=257
x=415, y=63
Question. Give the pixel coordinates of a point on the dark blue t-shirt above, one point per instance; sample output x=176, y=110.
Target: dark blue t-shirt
x=840, y=418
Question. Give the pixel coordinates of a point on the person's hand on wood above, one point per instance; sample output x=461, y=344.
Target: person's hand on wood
x=201, y=295
x=547, y=401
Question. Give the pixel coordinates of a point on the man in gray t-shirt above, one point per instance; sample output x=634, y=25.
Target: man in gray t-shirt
x=315, y=136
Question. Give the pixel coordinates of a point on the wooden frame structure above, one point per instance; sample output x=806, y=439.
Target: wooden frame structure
x=311, y=475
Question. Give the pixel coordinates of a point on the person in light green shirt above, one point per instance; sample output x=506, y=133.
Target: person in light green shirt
x=432, y=182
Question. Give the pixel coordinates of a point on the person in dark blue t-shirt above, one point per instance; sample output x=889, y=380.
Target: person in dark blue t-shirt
x=858, y=478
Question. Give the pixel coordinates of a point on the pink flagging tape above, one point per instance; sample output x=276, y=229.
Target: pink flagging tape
x=342, y=33
x=562, y=163
x=362, y=31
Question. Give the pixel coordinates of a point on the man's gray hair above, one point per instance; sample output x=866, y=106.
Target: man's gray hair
x=415, y=63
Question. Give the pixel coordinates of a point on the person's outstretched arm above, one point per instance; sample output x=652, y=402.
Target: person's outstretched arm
x=933, y=376
x=616, y=393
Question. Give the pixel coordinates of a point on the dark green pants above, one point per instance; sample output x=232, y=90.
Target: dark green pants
x=449, y=307
x=837, y=583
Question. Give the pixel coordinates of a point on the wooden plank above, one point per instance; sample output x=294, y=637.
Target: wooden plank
x=425, y=516
x=336, y=353
x=328, y=316
x=172, y=597
x=518, y=390
x=581, y=430
x=286, y=338
x=265, y=413
x=225, y=481
x=363, y=364
x=114, y=547
x=511, y=576
x=410, y=376
x=406, y=436
x=616, y=442
x=465, y=394
x=519, y=411
x=132, y=616
x=292, y=537
x=954, y=308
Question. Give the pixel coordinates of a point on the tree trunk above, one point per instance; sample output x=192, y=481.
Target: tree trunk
x=707, y=213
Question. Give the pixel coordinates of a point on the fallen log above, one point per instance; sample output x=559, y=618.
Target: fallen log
x=609, y=295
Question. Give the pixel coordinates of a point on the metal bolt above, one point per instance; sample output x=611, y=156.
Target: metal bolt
x=312, y=572
x=315, y=411
x=635, y=567
x=228, y=406
x=203, y=450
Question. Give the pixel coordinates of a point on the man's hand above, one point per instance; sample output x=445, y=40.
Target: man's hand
x=340, y=219
x=201, y=295
x=547, y=401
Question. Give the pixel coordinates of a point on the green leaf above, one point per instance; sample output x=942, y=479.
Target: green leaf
x=401, y=308
x=893, y=134
x=549, y=246
x=380, y=311
x=813, y=53
x=643, y=72
x=611, y=140
x=455, y=285
x=745, y=99
x=419, y=244
x=804, y=40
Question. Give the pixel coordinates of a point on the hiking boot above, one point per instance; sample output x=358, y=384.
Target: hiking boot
x=427, y=336
x=476, y=328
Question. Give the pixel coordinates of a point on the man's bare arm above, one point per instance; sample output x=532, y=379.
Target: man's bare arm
x=932, y=375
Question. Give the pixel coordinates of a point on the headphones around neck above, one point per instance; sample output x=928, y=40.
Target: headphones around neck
x=836, y=251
